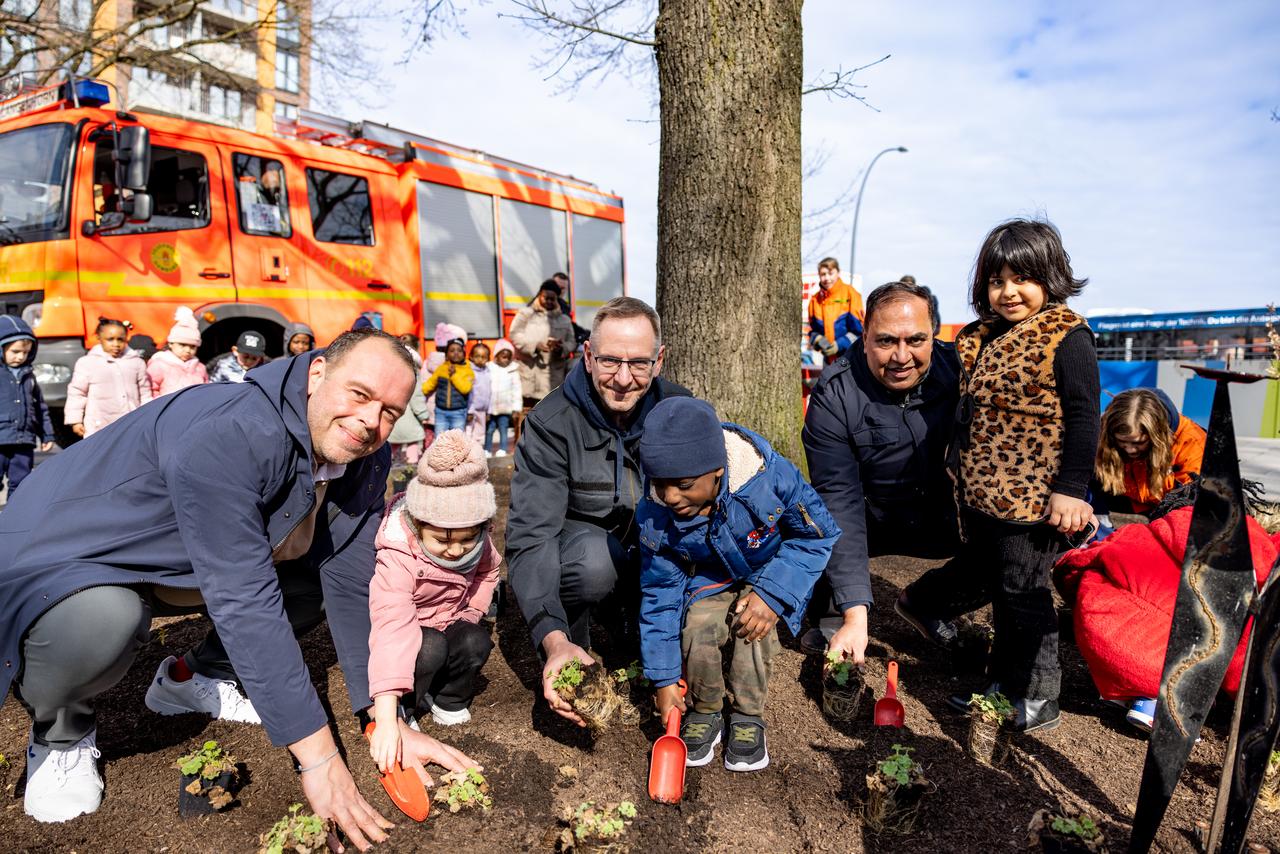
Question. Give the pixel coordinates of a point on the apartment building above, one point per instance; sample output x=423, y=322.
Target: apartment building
x=221, y=63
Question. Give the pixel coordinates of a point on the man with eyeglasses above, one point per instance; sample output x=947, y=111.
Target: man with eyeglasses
x=875, y=436
x=571, y=537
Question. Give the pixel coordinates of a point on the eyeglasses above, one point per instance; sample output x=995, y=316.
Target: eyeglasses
x=638, y=367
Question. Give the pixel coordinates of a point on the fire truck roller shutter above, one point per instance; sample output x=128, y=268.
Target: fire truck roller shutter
x=597, y=274
x=222, y=323
x=458, y=257
x=535, y=244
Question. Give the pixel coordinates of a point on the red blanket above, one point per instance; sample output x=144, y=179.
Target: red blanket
x=1123, y=590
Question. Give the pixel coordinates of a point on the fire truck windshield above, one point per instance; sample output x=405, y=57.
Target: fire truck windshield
x=33, y=183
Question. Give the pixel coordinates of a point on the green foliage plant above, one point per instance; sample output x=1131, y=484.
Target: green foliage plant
x=207, y=762
x=995, y=708
x=569, y=677
x=467, y=789
x=1082, y=828
x=604, y=824
x=839, y=668
x=296, y=832
x=898, y=766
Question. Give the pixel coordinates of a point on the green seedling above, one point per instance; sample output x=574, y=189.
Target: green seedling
x=633, y=672
x=604, y=824
x=461, y=789
x=839, y=668
x=568, y=677
x=296, y=832
x=1273, y=764
x=207, y=762
x=995, y=708
x=1082, y=827
x=898, y=766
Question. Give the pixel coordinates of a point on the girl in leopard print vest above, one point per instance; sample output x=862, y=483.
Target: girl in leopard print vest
x=1026, y=437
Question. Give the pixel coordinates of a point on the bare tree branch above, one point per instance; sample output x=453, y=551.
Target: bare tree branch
x=840, y=83
x=588, y=25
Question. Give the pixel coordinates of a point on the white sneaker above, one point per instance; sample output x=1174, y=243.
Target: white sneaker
x=218, y=697
x=444, y=717
x=62, y=784
x=501, y=452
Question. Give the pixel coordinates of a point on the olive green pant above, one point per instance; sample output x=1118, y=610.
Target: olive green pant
x=707, y=632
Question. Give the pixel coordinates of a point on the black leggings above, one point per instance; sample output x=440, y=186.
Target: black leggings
x=448, y=664
x=1007, y=565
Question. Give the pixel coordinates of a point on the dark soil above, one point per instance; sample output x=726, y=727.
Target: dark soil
x=806, y=800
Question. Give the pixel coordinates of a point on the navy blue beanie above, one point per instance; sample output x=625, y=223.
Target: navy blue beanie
x=682, y=438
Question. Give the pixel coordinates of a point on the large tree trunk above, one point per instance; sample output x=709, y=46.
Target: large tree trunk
x=729, y=76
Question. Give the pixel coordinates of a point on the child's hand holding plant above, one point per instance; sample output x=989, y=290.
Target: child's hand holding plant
x=754, y=618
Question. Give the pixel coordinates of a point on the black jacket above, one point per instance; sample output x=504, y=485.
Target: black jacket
x=24, y=417
x=878, y=458
x=572, y=463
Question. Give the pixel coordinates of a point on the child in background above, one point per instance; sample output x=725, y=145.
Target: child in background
x=451, y=383
x=478, y=408
x=1147, y=449
x=298, y=339
x=24, y=417
x=176, y=366
x=1023, y=455
x=506, y=397
x=731, y=539
x=246, y=354
x=111, y=381
x=435, y=576
x=445, y=332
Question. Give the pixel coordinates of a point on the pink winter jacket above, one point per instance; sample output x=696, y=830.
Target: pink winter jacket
x=102, y=388
x=169, y=373
x=410, y=592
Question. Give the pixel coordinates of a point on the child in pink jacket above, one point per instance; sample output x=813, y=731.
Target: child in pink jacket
x=436, y=572
x=106, y=384
x=176, y=366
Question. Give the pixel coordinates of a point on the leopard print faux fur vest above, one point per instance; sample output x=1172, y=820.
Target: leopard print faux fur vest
x=1011, y=454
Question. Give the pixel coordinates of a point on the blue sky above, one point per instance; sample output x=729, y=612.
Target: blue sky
x=1143, y=130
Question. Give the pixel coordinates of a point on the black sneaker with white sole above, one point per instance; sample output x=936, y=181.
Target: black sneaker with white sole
x=941, y=632
x=745, y=750
x=701, y=733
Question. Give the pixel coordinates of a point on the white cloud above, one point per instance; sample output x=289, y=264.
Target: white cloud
x=1142, y=130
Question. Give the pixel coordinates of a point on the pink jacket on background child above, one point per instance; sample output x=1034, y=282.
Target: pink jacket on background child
x=409, y=592
x=103, y=388
x=169, y=373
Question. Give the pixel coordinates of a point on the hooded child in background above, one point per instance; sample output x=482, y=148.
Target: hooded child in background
x=24, y=417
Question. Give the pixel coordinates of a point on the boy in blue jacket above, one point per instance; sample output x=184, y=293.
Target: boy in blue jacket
x=24, y=417
x=732, y=538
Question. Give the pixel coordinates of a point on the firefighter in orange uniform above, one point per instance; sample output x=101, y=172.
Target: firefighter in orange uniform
x=835, y=312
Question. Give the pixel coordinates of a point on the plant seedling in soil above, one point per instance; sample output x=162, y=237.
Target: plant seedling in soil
x=632, y=674
x=990, y=717
x=894, y=792
x=842, y=688
x=1269, y=793
x=590, y=827
x=589, y=690
x=464, y=790
x=296, y=833
x=208, y=776
x=1069, y=834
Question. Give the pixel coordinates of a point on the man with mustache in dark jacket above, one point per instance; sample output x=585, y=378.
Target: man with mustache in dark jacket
x=571, y=534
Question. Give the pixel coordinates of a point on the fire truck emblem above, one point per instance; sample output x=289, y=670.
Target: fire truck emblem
x=164, y=257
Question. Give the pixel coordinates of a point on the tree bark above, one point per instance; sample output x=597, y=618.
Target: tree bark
x=729, y=211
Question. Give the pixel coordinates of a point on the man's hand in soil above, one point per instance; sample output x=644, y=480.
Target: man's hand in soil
x=332, y=792
x=560, y=651
x=754, y=618
x=418, y=750
x=667, y=698
x=850, y=640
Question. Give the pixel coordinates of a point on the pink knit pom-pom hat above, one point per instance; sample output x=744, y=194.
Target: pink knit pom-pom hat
x=452, y=489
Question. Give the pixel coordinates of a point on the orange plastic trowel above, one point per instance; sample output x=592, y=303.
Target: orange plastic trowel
x=404, y=788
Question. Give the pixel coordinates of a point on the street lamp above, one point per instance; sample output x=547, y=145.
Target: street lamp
x=857, y=208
